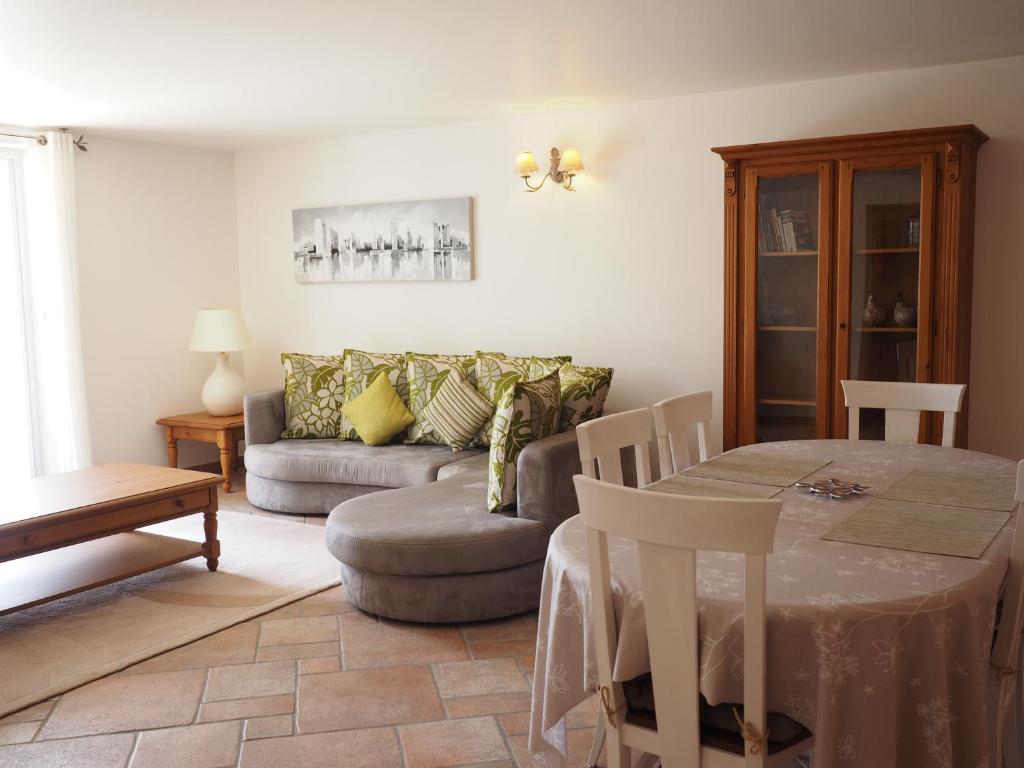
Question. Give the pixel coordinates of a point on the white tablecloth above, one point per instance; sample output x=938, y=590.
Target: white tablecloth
x=883, y=654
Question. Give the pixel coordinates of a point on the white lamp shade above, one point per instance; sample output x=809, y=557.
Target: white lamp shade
x=570, y=161
x=219, y=330
x=525, y=164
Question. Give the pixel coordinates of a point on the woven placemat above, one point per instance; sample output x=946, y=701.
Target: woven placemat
x=756, y=467
x=929, y=528
x=702, y=486
x=955, y=489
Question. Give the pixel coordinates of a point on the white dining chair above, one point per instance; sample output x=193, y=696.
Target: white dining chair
x=903, y=403
x=669, y=530
x=601, y=441
x=672, y=421
x=1006, y=689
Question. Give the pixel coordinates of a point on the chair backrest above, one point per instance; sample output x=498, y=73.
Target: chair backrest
x=672, y=419
x=601, y=440
x=669, y=529
x=903, y=403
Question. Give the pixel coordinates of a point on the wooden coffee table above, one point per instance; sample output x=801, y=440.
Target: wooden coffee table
x=74, y=531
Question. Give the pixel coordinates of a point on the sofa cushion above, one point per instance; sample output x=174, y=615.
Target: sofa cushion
x=435, y=530
x=584, y=390
x=496, y=372
x=334, y=461
x=378, y=414
x=363, y=367
x=456, y=411
x=313, y=387
x=426, y=374
x=527, y=411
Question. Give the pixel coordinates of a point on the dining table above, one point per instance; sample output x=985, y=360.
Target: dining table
x=883, y=654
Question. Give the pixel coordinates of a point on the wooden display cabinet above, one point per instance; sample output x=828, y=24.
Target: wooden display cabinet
x=847, y=257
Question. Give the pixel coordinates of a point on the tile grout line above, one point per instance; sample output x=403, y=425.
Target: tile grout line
x=135, y=748
x=202, y=695
x=45, y=721
x=507, y=740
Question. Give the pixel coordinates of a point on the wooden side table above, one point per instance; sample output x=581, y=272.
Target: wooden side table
x=224, y=431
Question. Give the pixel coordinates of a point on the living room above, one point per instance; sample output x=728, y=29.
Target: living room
x=339, y=602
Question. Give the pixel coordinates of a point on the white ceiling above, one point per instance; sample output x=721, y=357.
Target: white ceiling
x=239, y=73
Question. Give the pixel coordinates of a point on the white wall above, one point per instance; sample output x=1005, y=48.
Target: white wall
x=628, y=270
x=156, y=228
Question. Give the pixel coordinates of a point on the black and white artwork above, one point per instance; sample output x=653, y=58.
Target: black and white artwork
x=419, y=240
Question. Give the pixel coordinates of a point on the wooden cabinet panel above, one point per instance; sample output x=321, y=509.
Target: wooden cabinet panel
x=845, y=257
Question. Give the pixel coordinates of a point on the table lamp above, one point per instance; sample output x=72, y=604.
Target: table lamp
x=221, y=331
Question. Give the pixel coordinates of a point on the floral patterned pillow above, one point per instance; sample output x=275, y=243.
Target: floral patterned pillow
x=426, y=374
x=313, y=386
x=363, y=367
x=584, y=390
x=528, y=411
x=496, y=372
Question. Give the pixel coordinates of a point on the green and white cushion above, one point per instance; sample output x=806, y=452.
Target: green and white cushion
x=313, y=386
x=456, y=411
x=584, y=390
x=426, y=374
x=528, y=411
x=496, y=372
x=363, y=367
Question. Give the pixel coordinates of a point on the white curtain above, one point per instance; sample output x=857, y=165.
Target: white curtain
x=59, y=421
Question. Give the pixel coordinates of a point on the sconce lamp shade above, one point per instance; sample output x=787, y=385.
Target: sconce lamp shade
x=219, y=330
x=525, y=164
x=570, y=162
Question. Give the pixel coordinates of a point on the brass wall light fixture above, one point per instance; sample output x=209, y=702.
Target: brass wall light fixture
x=564, y=166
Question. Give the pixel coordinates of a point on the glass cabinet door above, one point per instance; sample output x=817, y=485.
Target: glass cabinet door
x=884, y=277
x=787, y=305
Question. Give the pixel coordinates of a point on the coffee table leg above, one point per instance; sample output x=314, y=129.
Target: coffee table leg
x=211, y=547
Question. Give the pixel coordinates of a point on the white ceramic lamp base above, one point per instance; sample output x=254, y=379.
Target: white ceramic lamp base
x=224, y=390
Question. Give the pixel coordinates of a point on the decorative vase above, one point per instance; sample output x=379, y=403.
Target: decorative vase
x=904, y=315
x=874, y=313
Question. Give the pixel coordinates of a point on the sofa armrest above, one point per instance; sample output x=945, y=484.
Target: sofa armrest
x=544, y=487
x=264, y=417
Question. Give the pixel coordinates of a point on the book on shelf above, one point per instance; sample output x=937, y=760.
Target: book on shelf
x=788, y=230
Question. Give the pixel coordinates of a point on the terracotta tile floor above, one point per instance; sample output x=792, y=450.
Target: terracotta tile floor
x=315, y=683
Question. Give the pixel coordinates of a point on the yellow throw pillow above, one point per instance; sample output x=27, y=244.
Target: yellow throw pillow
x=378, y=414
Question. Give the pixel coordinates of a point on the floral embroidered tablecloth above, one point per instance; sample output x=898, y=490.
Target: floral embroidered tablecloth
x=882, y=654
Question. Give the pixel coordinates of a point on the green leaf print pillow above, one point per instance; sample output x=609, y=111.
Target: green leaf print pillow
x=528, y=411
x=313, y=386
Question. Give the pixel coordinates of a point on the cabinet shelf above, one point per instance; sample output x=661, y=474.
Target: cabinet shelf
x=875, y=251
x=884, y=329
x=783, y=400
x=788, y=328
x=789, y=253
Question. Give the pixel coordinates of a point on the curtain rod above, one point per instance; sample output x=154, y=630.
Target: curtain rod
x=43, y=141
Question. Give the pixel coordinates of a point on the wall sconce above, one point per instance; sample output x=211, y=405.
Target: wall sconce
x=564, y=166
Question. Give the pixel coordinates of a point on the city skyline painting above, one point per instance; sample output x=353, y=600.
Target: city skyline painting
x=415, y=240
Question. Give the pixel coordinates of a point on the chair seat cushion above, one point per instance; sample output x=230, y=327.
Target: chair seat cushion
x=718, y=723
x=349, y=461
x=439, y=529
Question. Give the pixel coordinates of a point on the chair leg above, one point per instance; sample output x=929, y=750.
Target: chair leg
x=595, y=749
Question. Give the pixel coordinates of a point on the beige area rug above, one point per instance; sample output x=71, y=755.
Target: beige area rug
x=264, y=563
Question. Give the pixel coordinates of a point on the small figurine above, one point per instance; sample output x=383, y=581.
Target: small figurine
x=904, y=315
x=874, y=313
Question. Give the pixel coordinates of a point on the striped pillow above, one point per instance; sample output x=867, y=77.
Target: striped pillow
x=456, y=411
